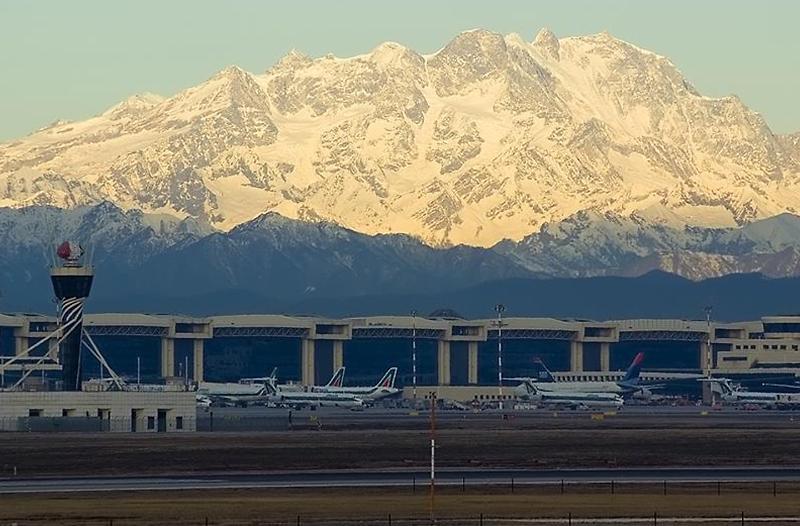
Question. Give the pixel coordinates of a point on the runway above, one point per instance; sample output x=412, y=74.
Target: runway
x=400, y=478
x=275, y=419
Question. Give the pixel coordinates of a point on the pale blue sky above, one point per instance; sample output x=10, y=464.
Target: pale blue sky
x=73, y=59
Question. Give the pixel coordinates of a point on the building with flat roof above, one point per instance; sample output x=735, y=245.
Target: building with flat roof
x=450, y=351
x=115, y=411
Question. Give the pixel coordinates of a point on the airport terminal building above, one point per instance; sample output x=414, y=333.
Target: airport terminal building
x=449, y=351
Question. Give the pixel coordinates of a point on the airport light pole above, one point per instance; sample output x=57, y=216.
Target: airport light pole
x=433, y=458
x=499, y=309
x=708, y=389
x=709, y=353
x=414, y=354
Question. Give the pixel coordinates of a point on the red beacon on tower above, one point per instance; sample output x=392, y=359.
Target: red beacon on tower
x=70, y=253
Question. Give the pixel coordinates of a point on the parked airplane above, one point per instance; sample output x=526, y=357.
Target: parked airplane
x=230, y=393
x=203, y=401
x=385, y=387
x=302, y=399
x=734, y=394
x=628, y=384
x=248, y=390
x=530, y=390
x=337, y=380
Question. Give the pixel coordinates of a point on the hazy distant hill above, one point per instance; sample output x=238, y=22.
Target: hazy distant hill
x=273, y=264
x=654, y=295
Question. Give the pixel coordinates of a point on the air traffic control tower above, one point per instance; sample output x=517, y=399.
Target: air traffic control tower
x=72, y=282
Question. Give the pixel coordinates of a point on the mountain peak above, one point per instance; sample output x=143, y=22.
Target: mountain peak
x=483, y=37
x=269, y=221
x=605, y=42
x=547, y=42
x=231, y=86
x=292, y=60
x=389, y=54
x=474, y=42
x=134, y=104
x=605, y=35
x=231, y=72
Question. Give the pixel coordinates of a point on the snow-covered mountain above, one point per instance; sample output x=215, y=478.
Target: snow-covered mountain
x=593, y=244
x=489, y=138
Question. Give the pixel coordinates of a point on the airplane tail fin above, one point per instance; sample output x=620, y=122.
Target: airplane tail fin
x=726, y=387
x=271, y=386
x=274, y=375
x=387, y=382
x=634, y=370
x=337, y=380
x=530, y=388
x=543, y=374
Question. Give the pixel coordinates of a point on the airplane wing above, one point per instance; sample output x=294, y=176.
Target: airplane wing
x=785, y=386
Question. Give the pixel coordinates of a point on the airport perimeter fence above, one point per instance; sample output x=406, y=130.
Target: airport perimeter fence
x=211, y=422
x=733, y=493
x=654, y=519
x=44, y=424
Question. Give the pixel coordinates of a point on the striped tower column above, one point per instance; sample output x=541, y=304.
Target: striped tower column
x=71, y=285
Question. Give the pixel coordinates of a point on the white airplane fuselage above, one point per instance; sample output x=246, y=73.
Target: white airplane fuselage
x=229, y=392
x=315, y=399
x=581, y=387
x=751, y=397
x=733, y=394
x=365, y=393
x=385, y=387
x=530, y=391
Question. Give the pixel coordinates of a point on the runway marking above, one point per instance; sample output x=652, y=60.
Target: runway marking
x=185, y=485
x=401, y=479
x=647, y=520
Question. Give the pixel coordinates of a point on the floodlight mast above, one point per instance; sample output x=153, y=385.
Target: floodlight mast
x=433, y=458
x=709, y=354
x=414, y=354
x=499, y=309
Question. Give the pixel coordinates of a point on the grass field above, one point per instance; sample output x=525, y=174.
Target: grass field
x=553, y=443
x=374, y=506
x=73, y=454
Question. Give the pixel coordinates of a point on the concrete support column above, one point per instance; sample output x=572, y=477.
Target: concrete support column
x=605, y=357
x=52, y=348
x=709, y=397
x=197, y=374
x=576, y=357
x=167, y=357
x=307, y=362
x=472, y=363
x=705, y=356
x=20, y=345
x=706, y=360
x=443, y=362
x=338, y=354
